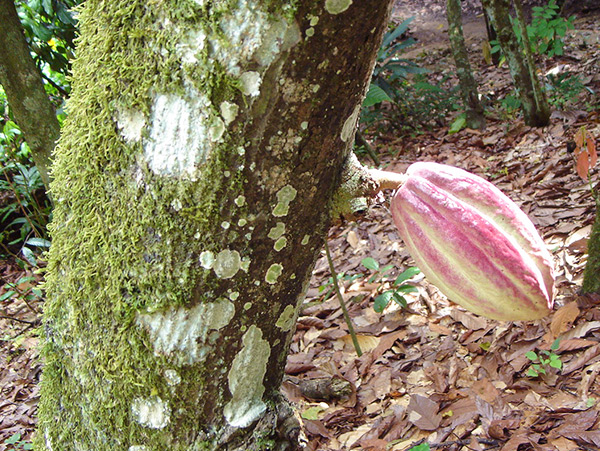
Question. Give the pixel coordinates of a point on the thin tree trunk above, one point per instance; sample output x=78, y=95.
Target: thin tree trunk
x=193, y=182
x=468, y=85
x=491, y=34
x=534, y=104
x=24, y=89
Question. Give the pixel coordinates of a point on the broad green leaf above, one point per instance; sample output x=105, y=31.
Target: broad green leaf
x=375, y=95
x=458, y=124
x=407, y=274
x=39, y=242
x=531, y=355
x=382, y=301
x=370, y=263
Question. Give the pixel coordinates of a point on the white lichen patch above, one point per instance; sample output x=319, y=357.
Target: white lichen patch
x=225, y=225
x=273, y=273
x=246, y=380
x=151, y=412
x=191, y=45
x=350, y=124
x=173, y=378
x=138, y=448
x=255, y=35
x=182, y=333
x=182, y=134
x=245, y=265
x=304, y=241
x=216, y=130
x=277, y=231
x=247, y=306
x=240, y=201
x=280, y=243
x=227, y=264
x=234, y=295
x=207, y=259
x=304, y=125
x=130, y=123
x=250, y=83
x=284, y=196
x=176, y=204
x=242, y=222
x=229, y=111
x=337, y=6
x=287, y=318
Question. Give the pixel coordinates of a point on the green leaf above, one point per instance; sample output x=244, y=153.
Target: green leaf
x=29, y=256
x=370, y=263
x=407, y=289
x=39, y=242
x=458, y=124
x=555, y=344
x=421, y=447
x=375, y=95
x=400, y=300
x=13, y=439
x=532, y=373
x=7, y=295
x=390, y=36
x=555, y=362
x=406, y=274
x=382, y=301
x=312, y=413
x=531, y=355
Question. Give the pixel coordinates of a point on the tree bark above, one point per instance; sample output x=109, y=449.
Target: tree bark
x=591, y=275
x=193, y=182
x=534, y=103
x=468, y=85
x=24, y=87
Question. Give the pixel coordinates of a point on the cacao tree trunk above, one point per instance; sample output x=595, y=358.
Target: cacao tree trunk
x=192, y=186
x=24, y=87
x=591, y=275
x=468, y=85
x=533, y=99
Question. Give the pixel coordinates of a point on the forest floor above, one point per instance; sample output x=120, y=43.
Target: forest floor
x=431, y=373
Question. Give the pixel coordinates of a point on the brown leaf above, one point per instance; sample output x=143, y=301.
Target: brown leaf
x=583, y=165
x=575, y=343
x=486, y=390
x=423, y=413
x=468, y=320
x=563, y=318
x=589, y=437
x=581, y=360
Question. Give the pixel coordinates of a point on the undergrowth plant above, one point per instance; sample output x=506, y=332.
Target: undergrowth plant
x=542, y=361
x=390, y=288
x=546, y=31
x=400, y=97
x=24, y=207
x=14, y=443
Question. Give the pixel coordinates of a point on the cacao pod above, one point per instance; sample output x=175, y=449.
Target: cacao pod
x=474, y=243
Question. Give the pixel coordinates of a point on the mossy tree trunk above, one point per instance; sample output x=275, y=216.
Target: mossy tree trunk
x=533, y=99
x=193, y=181
x=25, y=91
x=468, y=85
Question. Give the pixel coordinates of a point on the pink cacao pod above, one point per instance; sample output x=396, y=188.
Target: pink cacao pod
x=474, y=243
